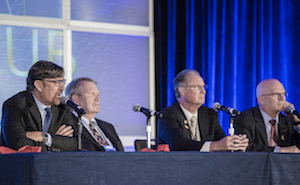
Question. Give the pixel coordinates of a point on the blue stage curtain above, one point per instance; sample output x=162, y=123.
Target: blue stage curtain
x=234, y=44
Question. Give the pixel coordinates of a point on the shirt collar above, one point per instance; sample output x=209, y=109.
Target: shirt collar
x=84, y=120
x=267, y=118
x=40, y=105
x=188, y=114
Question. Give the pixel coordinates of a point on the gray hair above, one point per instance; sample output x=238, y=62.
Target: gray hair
x=181, y=80
x=74, y=86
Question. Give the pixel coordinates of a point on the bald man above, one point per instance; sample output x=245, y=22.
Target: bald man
x=266, y=128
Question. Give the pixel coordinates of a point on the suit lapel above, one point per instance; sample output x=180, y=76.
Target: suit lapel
x=184, y=122
x=259, y=121
x=90, y=138
x=34, y=111
x=202, y=118
x=55, y=114
x=282, y=130
x=107, y=130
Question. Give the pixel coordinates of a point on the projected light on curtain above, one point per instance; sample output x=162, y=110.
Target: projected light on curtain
x=233, y=44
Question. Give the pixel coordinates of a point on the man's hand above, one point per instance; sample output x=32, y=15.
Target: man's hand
x=65, y=131
x=244, y=142
x=289, y=149
x=235, y=142
x=35, y=135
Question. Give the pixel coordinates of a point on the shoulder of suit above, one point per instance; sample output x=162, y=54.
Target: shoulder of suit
x=174, y=107
x=102, y=122
x=203, y=108
x=20, y=100
x=170, y=110
x=250, y=110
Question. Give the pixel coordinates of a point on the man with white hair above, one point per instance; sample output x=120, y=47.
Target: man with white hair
x=188, y=125
x=267, y=128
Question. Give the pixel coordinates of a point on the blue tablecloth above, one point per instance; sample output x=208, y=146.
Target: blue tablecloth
x=158, y=168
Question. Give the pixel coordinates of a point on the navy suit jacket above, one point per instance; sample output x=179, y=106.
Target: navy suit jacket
x=89, y=143
x=251, y=123
x=173, y=128
x=20, y=114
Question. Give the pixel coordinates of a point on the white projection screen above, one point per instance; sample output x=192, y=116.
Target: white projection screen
x=109, y=41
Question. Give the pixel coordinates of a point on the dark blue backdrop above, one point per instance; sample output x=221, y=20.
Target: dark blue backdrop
x=234, y=44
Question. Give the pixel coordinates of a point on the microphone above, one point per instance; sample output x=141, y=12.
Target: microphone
x=65, y=100
x=291, y=109
x=147, y=112
x=229, y=110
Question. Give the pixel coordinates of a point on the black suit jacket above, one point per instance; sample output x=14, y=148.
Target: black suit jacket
x=251, y=123
x=173, y=128
x=89, y=143
x=20, y=114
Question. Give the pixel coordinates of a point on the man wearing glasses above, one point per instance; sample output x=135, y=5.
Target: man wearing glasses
x=36, y=116
x=187, y=125
x=267, y=128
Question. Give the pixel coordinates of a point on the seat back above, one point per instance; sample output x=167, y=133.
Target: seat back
x=139, y=144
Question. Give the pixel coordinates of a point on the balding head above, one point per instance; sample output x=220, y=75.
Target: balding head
x=270, y=95
x=268, y=86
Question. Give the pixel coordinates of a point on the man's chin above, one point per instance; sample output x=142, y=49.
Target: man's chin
x=56, y=102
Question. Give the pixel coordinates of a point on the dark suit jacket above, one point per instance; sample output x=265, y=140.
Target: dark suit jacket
x=251, y=123
x=173, y=128
x=89, y=143
x=20, y=114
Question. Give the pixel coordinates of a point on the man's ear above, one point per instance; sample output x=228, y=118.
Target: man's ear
x=261, y=100
x=38, y=84
x=75, y=98
x=181, y=90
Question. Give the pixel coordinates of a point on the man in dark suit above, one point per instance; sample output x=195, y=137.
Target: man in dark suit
x=97, y=135
x=35, y=117
x=187, y=125
x=266, y=128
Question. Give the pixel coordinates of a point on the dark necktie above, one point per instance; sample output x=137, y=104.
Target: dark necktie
x=273, y=133
x=98, y=137
x=48, y=118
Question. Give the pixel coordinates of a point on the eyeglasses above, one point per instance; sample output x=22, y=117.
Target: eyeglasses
x=198, y=87
x=276, y=94
x=57, y=82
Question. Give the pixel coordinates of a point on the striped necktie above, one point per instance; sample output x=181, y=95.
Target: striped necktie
x=47, y=120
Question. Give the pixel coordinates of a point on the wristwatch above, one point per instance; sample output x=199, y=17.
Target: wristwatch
x=45, y=138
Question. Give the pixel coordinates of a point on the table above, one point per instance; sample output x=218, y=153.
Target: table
x=159, y=168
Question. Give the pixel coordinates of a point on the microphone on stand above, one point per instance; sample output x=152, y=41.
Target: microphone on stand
x=147, y=112
x=80, y=111
x=229, y=110
x=65, y=100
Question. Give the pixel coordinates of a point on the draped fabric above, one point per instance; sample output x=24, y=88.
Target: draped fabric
x=234, y=44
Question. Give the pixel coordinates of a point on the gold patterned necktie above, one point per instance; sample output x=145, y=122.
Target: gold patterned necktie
x=273, y=141
x=193, y=122
x=98, y=137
